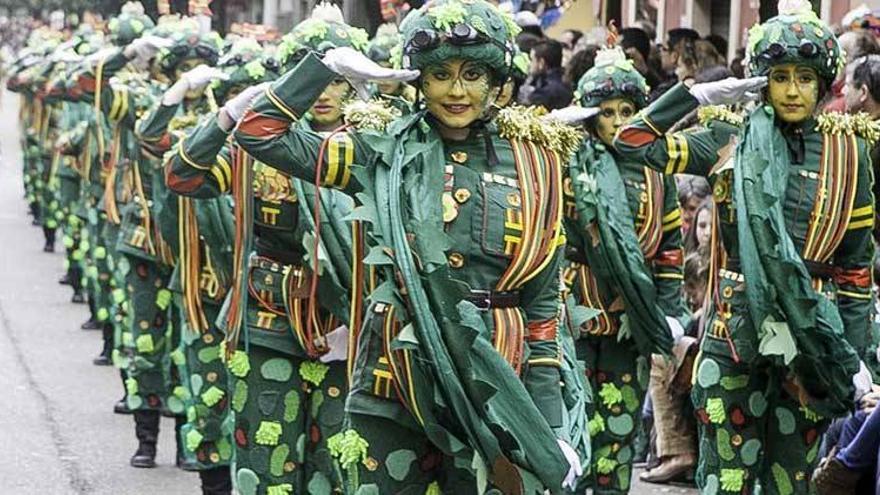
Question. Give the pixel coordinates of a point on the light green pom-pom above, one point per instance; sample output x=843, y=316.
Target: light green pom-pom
x=732, y=480
x=212, y=396
x=239, y=364
x=715, y=410
x=282, y=489
x=605, y=465
x=348, y=447
x=313, y=372
x=193, y=440
x=610, y=394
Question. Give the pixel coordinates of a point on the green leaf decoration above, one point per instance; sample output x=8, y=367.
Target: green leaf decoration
x=596, y=425
x=776, y=340
x=144, y=344
x=209, y=354
x=722, y=441
x=317, y=400
x=319, y=483
x=708, y=373
x=780, y=477
x=711, y=486
x=446, y=16
x=810, y=414
x=163, y=299
x=268, y=433
x=224, y=449
x=785, y=420
x=370, y=489
x=732, y=480
x=313, y=372
x=239, y=364
x=193, y=440
x=749, y=451
x=282, y=489
x=610, y=394
x=279, y=457
x=348, y=447
x=277, y=369
x=399, y=462
x=291, y=406
x=715, y=410
x=757, y=403
x=630, y=398
x=737, y=382
x=212, y=396
x=239, y=396
x=604, y=465
x=131, y=386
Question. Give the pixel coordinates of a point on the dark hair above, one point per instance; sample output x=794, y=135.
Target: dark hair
x=866, y=72
x=580, y=63
x=691, y=243
x=865, y=44
x=550, y=51
x=576, y=36
x=526, y=41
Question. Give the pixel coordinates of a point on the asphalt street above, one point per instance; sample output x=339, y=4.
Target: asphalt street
x=58, y=434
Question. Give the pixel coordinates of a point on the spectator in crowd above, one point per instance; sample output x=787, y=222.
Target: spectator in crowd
x=692, y=192
x=719, y=43
x=736, y=65
x=679, y=46
x=545, y=86
x=700, y=235
x=637, y=46
x=582, y=61
x=855, y=44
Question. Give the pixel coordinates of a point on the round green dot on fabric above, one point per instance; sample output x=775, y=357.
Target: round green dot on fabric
x=195, y=383
x=708, y=373
x=398, y=463
x=624, y=455
x=175, y=405
x=248, y=481
x=267, y=402
x=785, y=420
x=209, y=354
x=317, y=402
x=291, y=406
x=319, y=483
x=757, y=404
x=135, y=402
x=630, y=399
x=276, y=369
x=371, y=489
x=239, y=396
x=224, y=448
x=722, y=442
x=711, y=486
x=624, y=477
x=300, y=448
x=749, y=451
x=279, y=457
x=620, y=425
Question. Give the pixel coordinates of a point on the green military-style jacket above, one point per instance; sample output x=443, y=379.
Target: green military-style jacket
x=810, y=183
x=469, y=244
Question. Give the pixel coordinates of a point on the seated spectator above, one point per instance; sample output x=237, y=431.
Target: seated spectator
x=851, y=467
x=545, y=86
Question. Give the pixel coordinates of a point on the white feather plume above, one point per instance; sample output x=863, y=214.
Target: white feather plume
x=328, y=12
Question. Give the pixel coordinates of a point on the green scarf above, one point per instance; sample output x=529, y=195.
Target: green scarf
x=600, y=197
x=798, y=329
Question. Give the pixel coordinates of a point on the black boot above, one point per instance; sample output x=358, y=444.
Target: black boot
x=91, y=324
x=74, y=275
x=216, y=481
x=35, y=213
x=121, y=407
x=146, y=427
x=49, y=235
x=182, y=462
x=78, y=298
x=104, y=359
x=64, y=280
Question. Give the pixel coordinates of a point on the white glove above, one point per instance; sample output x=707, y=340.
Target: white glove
x=862, y=381
x=235, y=108
x=358, y=69
x=203, y=75
x=675, y=327
x=145, y=47
x=571, y=115
x=728, y=91
x=93, y=59
x=67, y=57
x=338, y=342
x=574, y=465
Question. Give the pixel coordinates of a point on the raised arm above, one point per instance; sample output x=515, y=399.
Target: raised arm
x=200, y=166
x=668, y=264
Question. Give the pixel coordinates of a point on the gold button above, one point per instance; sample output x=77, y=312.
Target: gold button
x=208, y=338
x=643, y=197
x=211, y=376
x=615, y=410
x=371, y=464
x=333, y=392
x=513, y=199
x=799, y=475
x=626, y=378
x=450, y=208
x=459, y=157
x=727, y=292
x=462, y=195
x=289, y=466
x=736, y=440
x=456, y=260
x=215, y=457
x=144, y=324
x=268, y=279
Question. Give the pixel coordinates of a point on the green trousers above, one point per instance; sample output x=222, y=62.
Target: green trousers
x=285, y=409
x=207, y=434
x=750, y=429
x=618, y=376
x=150, y=344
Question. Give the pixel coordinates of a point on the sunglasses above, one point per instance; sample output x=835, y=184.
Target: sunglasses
x=806, y=49
x=460, y=35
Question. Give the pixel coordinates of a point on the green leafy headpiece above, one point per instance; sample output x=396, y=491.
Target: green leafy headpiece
x=385, y=46
x=612, y=76
x=246, y=64
x=130, y=24
x=795, y=36
x=472, y=30
x=189, y=43
x=324, y=30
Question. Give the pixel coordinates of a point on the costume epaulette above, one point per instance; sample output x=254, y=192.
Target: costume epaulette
x=519, y=122
x=719, y=113
x=373, y=115
x=860, y=124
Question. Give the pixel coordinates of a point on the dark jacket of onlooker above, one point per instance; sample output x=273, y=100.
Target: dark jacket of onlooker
x=547, y=89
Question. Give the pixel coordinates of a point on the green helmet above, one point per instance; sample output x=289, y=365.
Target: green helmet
x=246, y=64
x=612, y=76
x=130, y=24
x=324, y=30
x=189, y=43
x=460, y=29
x=795, y=36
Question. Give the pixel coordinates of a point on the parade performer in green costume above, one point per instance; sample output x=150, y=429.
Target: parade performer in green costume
x=288, y=371
x=456, y=380
x=791, y=274
x=624, y=259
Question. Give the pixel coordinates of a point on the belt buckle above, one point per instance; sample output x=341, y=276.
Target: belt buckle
x=482, y=299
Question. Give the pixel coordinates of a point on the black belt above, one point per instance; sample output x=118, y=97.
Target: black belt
x=814, y=268
x=485, y=300
x=292, y=257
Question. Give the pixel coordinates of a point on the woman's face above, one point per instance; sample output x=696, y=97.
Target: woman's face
x=793, y=92
x=703, y=233
x=613, y=114
x=458, y=92
x=388, y=88
x=327, y=111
